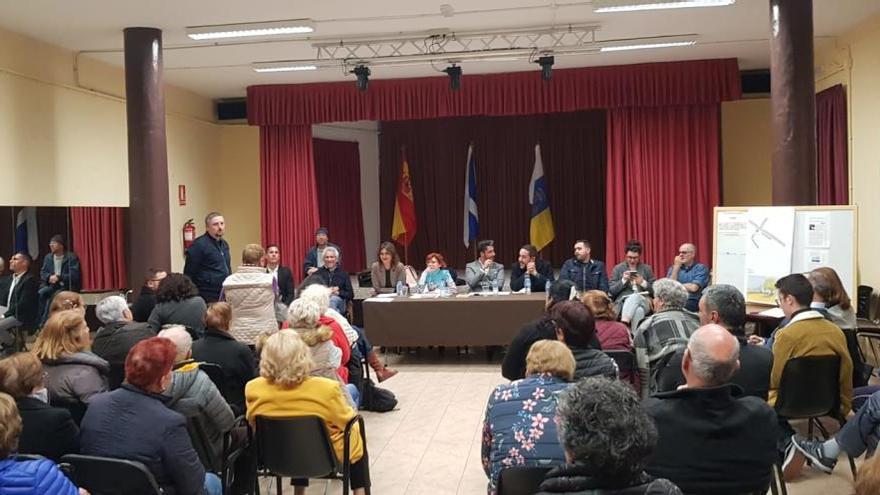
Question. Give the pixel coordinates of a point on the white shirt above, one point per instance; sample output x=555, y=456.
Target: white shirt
x=15, y=279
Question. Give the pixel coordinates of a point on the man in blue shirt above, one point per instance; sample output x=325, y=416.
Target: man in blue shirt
x=694, y=276
x=587, y=274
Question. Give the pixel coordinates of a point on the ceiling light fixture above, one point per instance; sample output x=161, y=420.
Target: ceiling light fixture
x=363, y=77
x=271, y=28
x=454, y=73
x=546, y=63
x=643, y=46
x=282, y=67
x=633, y=5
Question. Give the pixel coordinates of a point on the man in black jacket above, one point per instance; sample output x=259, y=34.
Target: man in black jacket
x=146, y=301
x=118, y=335
x=207, y=260
x=339, y=282
x=22, y=302
x=724, y=305
x=712, y=438
x=528, y=265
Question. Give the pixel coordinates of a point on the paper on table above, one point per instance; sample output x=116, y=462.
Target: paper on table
x=387, y=296
x=773, y=313
x=378, y=299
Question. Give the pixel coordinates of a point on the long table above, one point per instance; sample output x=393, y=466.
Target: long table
x=453, y=321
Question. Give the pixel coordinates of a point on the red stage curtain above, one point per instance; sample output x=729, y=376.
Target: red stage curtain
x=288, y=198
x=663, y=181
x=518, y=93
x=573, y=152
x=338, y=180
x=98, y=240
x=831, y=144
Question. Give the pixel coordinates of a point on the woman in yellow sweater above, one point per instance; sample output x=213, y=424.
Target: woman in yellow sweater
x=285, y=388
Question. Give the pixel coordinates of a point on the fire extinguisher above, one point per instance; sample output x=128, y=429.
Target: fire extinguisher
x=189, y=234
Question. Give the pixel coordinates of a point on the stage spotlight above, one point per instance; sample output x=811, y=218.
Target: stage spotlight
x=546, y=63
x=454, y=73
x=363, y=76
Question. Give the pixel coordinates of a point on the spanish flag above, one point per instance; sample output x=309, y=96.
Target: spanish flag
x=403, y=229
x=541, y=230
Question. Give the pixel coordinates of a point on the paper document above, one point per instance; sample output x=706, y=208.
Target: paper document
x=773, y=313
x=378, y=299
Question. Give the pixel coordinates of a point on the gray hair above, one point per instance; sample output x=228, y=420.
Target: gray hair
x=330, y=248
x=602, y=424
x=303, y=314
x=181, y=338
x=318, y=294
x=110, y=309
x=671, y=292
x=730, y=305
x=712, y=371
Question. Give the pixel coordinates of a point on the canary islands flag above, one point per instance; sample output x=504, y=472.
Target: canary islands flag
x=541, y=227
x=403, y=228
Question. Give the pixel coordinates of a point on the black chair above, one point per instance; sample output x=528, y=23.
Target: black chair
x=108, y=476
x=220, y=463
x=313, y=456
x=521, y=480
x=626, y=364
x=809, y=389
x=869, y=345
x=215, y=373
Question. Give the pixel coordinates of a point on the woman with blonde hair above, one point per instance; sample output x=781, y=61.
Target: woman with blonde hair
x=286, y=388
x=519, y=427
x=73, y=373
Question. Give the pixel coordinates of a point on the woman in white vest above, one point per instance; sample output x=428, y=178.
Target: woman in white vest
x=251, y=292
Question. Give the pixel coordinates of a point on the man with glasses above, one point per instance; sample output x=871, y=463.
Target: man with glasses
x=694, y=276
x=631, y=282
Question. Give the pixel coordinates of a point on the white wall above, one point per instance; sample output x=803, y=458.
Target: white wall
x=367, y=136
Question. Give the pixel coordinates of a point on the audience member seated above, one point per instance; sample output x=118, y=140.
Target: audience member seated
x=285, y=389
x=22, y=302
x=5, y=284
x=607, y=438
x=724, y=305
x=303, y=318
x=612, y=335
x=235, y=358
x=528, y=265
x=282, y=275
x=65, y=300
x=436, y=276
x=831, y=299
x=178, y=303
x=192, y=393
x=342, y=339
x=37, y=477
x=519, y=428
x=133, y=422
x=692, y=275
x=629, y=279
x=315, y=255
x=484, y=273
x=60, y=271
x=587, y=274
x=575, y=327
x=514, y=365
x=662, y=334
x=118, y=335
x=387, y=271
x=334, y=277
x=712, y=438
x=48, y=431
x=73, y=374
x=146, y=300
x=807, y=333
x=251, y=291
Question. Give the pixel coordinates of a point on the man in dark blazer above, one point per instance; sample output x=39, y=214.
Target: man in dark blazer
x=21, y=304
x=60, y=271
x=528, y=265
x=207, y=260
x=282, y=274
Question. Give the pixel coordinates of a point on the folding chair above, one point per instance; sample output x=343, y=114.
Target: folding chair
x=109, y=476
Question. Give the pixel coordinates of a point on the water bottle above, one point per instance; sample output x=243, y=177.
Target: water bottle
x=527, y=284
x=399, y=288
x=494, y=285
x=547, y=286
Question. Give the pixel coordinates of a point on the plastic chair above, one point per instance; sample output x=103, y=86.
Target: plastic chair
x=521, y=480
x=109, y=476
x=221, y=463
x=810, y=389
x=313, y=456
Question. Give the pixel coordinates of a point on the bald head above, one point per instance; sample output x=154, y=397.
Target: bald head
x=712, y=357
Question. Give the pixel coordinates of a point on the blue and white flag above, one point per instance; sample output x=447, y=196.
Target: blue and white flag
x=26, y=232
x=471, y=219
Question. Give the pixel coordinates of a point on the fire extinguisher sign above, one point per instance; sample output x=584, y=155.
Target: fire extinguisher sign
x=181, y=194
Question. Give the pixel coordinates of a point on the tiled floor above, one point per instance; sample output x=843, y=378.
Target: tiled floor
x=430, y=444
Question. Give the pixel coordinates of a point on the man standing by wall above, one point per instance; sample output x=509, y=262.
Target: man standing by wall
x=207, y=260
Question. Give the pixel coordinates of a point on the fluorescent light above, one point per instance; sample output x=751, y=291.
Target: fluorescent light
x=272, y=28
x=643, y=46
x=631, y=5
x=282, y=66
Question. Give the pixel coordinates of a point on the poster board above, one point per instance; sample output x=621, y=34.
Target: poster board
x=822, y=236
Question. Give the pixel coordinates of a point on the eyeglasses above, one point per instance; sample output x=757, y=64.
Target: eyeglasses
x=685, y=252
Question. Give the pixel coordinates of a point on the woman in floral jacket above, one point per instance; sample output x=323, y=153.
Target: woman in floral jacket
x=519, y=429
